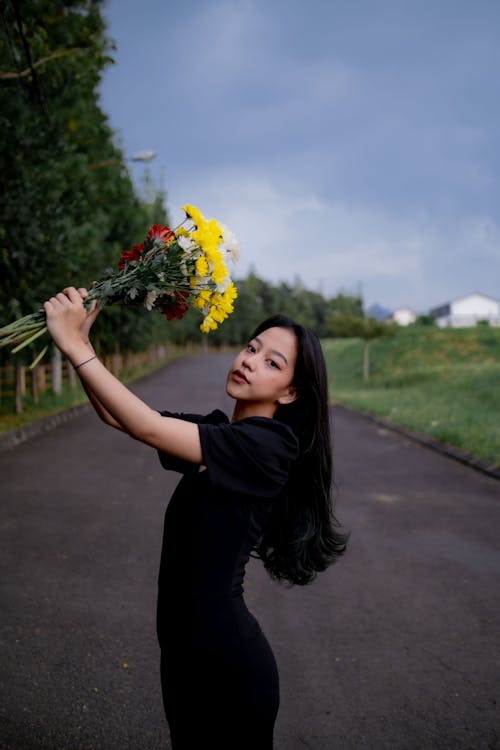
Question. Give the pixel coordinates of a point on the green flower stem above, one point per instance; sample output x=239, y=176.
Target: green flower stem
x=39, y=357
x=20, y=335
x=17, y=338
x=30, y=340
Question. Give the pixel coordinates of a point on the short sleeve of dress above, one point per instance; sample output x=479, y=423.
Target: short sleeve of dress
x=251, y=457
x=172, y=463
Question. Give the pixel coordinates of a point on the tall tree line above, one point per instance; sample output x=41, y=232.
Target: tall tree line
x=258, y=299
x=68, y=203
x=69, y=206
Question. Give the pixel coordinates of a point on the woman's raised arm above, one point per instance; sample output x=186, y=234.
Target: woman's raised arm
x=65, y=318
x=89, y=321
x=99, y=409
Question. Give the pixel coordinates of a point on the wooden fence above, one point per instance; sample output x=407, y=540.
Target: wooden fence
x=19, y=383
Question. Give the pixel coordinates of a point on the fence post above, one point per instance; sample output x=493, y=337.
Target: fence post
x=56, y=367
x=71, y=374
x=41, y=375
x=20, y=387
x=126, y=363
x=34, y=385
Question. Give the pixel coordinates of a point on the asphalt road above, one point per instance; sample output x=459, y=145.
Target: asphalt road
x=397, y=647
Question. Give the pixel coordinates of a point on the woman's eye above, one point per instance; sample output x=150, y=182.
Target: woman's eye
x=250, y=348
x=273, y=363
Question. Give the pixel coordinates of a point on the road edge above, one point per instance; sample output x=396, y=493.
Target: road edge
x=12, y=438
x=444, y=449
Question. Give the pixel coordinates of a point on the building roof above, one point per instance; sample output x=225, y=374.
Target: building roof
x=465, y=296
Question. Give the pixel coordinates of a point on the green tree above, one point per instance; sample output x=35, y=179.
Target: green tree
x=69, y=206
x=424, y=320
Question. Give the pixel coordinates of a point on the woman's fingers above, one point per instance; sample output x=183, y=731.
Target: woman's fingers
x=56, y=302
x=68, y=297
x=84, y=294
x=73, y=295
x=67, y=317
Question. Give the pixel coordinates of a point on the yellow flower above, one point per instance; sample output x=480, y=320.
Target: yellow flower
x=202, y=299
x=201, y=266
x=227, y=298
x=217, y=314
x=231, y=292
x=208, y=324
x=194, y=214
x=219, y=272
x=221, y=305
x=198, y=303
x=208, y=240
x=215, y=229
x=209, y=268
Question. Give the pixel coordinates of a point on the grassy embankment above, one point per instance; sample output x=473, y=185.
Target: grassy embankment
x=441, y=382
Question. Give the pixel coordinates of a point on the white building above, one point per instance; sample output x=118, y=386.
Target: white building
x=403, y=316
x=466, y=311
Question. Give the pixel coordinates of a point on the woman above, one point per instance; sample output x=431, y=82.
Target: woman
x=262, y=482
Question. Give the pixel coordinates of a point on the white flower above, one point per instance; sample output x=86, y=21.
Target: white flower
x=229, y=246
x=185, y=243
x=150, y=299
x=221, y=288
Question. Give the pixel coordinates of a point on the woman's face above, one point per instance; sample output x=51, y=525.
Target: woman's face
x=262, y=372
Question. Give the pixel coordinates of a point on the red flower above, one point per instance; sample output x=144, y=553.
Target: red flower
x=160, y=233
x=174, y=305
x=129, y=255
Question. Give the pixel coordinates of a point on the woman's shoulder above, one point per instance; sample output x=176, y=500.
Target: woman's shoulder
x=268, y=429
x=250, y=456
x=217, y=416
x=268, y=423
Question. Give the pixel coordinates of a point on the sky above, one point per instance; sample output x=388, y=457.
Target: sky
x=354, y=144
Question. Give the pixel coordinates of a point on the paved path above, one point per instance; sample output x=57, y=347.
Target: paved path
x=397, y=647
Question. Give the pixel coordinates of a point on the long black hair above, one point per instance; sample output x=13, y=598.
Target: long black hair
x=302, y=535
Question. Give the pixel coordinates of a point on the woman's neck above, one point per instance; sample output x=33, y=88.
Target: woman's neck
x=245, y=409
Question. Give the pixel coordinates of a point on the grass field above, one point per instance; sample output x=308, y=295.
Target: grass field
x=441, y=382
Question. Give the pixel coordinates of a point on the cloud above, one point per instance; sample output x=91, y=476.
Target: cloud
x=216, y=48
x=286, y=229
x=345, y=147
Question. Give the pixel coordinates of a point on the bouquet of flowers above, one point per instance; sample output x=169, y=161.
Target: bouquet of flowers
x=169, y=271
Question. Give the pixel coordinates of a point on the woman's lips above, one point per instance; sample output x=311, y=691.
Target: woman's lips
x=239, y=376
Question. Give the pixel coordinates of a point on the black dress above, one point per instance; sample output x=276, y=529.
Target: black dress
x=219, y=676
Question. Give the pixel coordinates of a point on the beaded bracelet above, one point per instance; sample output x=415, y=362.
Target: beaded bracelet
x=75, y=367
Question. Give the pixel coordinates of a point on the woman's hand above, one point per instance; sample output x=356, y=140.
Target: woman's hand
x=66, y=316
x=90, y=317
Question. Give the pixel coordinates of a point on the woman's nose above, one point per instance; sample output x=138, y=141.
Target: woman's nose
x=248, y=361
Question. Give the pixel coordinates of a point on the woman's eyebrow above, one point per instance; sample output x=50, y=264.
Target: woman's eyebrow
x=279, y=354
x=272, y=351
